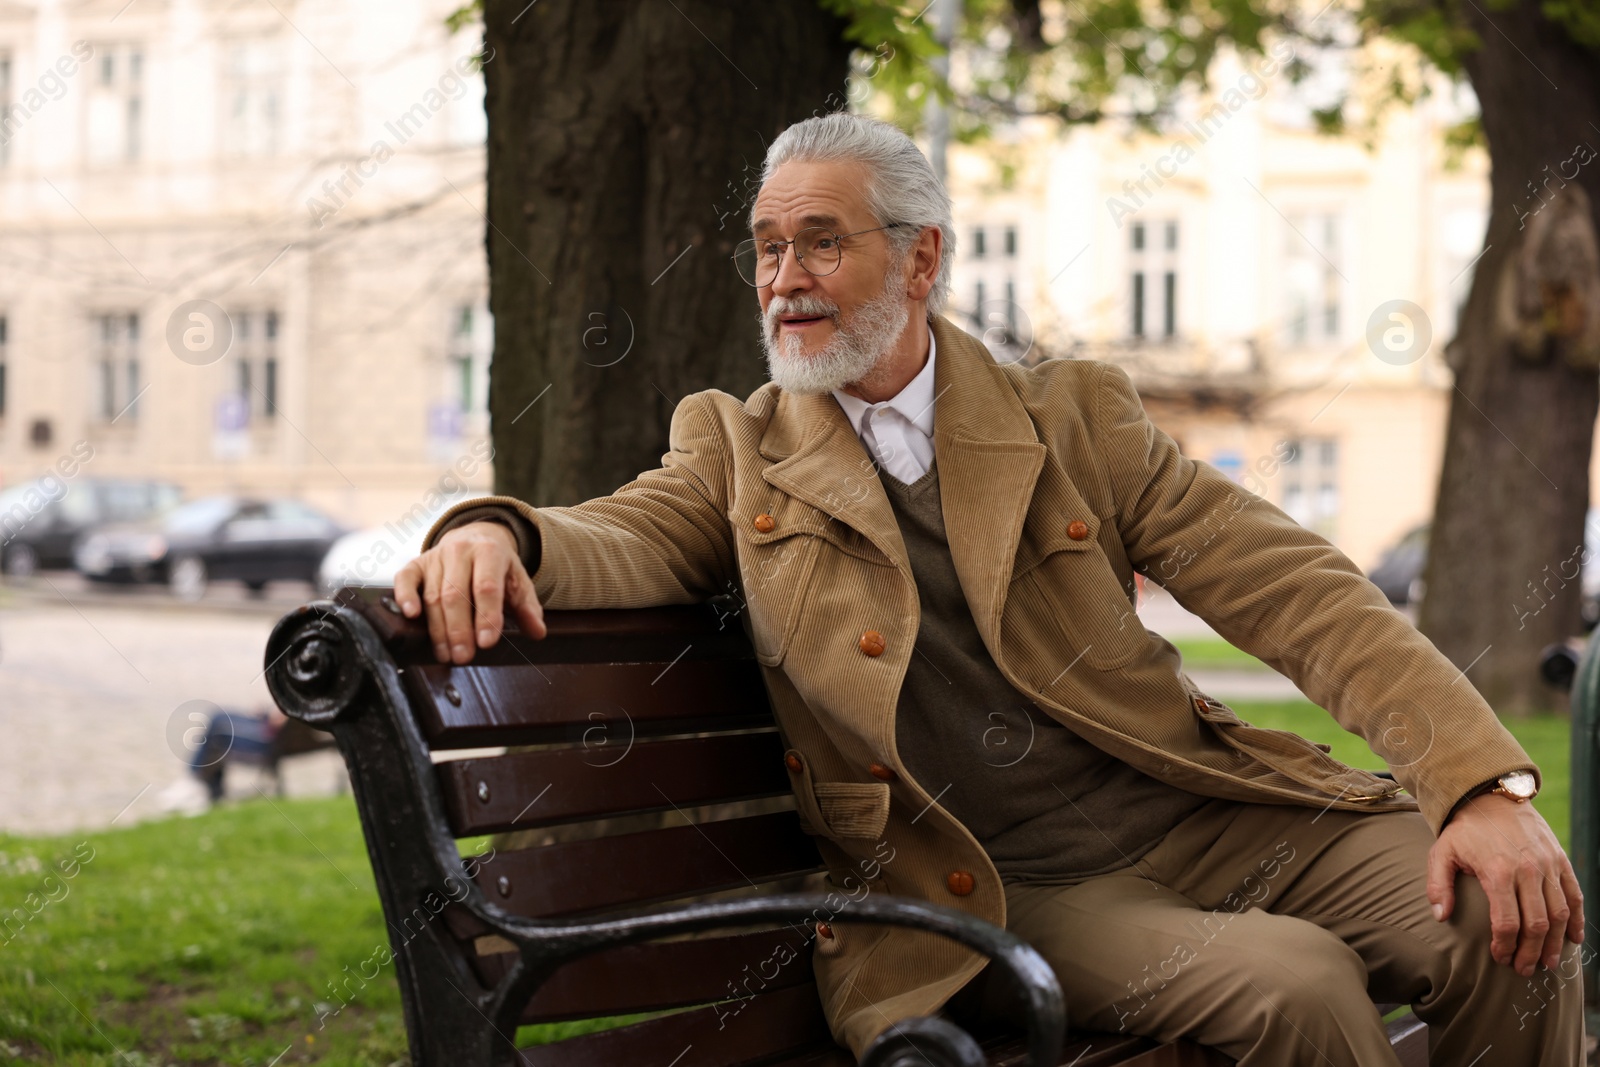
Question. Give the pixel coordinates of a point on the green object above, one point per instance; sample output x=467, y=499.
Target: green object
x=1586, y=798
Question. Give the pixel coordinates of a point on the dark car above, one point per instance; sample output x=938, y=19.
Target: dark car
x=242, y=539
x=1399, y=572
x=42, y=521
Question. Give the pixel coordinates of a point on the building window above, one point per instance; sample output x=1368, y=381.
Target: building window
x=115, y=104
x=5, y=351
x=255, y=362
x=117, y=366
x=469, y=358
x=978, y=243
x=979, y=295
x=1311, y=483
x=1153, y=279
x=252, y=99
x=1311, y=278
x=1011, y=241
x=461, y=410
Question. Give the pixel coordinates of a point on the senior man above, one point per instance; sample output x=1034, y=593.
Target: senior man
x=936, y=555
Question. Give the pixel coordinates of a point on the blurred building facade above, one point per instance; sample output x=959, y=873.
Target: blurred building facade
x=315, y=171
x=1282, y=298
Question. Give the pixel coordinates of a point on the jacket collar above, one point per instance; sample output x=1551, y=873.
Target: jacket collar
x=988, y=454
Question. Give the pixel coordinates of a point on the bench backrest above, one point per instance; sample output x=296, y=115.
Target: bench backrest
x=634, y=745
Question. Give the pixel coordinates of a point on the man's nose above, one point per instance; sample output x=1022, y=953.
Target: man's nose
x=792, y=277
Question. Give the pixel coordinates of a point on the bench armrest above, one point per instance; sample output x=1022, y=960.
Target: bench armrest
x=546, y=945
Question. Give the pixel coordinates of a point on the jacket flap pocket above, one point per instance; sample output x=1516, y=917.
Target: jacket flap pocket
x=853, y=809
x=1038, y=545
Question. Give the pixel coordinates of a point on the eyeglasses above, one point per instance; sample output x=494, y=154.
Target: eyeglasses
x=816, y=248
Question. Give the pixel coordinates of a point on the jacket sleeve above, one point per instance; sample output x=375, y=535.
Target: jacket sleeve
x=1287, y=596
x=663, y=538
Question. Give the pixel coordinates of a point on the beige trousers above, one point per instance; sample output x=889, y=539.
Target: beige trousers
x=1267, y=932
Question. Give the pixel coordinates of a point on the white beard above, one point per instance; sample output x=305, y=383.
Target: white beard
x=852, y=354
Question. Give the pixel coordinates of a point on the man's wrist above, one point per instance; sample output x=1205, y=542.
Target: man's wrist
x=1496, y=786
x=502, y=525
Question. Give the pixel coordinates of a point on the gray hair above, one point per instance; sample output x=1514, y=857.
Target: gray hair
x=900, y=183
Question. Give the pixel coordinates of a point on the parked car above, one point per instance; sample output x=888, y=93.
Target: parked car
x=220, y=537
x=42, y=521
x=372, y=557
x=1399, y=571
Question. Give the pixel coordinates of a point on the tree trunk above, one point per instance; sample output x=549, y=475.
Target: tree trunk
x=625, y=146
x=1508, y=531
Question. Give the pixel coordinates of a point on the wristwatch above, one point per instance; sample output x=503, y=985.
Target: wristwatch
x=1520, y=786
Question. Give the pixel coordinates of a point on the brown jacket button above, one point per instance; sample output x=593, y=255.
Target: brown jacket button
x=1077, y=529
x=824, y=931
x=960, y=882
x=872, y=643
x=765, y=522
x=793, y=763
x=882, y=773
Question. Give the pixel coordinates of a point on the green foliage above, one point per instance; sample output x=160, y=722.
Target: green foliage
x=464, y=16
x=1131, y=60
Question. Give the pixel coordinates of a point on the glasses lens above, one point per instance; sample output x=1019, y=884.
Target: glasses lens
x=757, y=262
x=819, y=250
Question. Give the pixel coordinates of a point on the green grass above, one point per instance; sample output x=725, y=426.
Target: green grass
x=1213, y=653
x=1547, y=738
x=218, y=939
x=197, y=940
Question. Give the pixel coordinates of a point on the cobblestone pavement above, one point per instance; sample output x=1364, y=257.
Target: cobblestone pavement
x=89, y=686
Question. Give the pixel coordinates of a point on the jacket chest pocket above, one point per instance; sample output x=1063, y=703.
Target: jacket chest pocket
x=1070, y=580
x=778, y=552
x=857, y=810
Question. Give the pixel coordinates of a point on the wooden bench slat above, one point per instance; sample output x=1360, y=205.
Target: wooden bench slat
x=528, y=789
x=729, y=1035
x=1408, y=1036
x=596, y=635
x=603, y=705
x=664, y=974
x=574, y=877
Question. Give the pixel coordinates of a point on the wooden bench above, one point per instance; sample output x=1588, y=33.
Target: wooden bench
x=640, y=748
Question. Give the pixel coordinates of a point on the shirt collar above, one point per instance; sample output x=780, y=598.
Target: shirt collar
x=914, y=401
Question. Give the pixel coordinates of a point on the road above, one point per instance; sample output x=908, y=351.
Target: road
x=91, y=685
x=96, y=686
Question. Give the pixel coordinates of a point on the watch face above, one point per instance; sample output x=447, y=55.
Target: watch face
x=1519, y=784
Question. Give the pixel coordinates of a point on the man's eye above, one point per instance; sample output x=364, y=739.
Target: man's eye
x=769, y=250
x=824, y=244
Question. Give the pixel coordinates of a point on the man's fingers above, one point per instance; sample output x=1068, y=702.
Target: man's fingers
x=406, y=581
x=1559, y=914
x=1573, y=895
x=1505, y=917
x=488, y=596
x=1535, y=919
x=456, y=595
x=1441, y=880
x=432, y=565
x=524, y=601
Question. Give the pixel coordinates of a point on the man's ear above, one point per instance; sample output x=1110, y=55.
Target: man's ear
x=924, y=257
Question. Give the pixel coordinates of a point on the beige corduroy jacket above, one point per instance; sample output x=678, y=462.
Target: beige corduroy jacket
x=1056, y=489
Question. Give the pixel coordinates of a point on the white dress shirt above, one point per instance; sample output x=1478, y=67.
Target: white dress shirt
x=898, y=432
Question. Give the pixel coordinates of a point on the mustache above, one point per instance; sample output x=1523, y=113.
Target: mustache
x=805, y=304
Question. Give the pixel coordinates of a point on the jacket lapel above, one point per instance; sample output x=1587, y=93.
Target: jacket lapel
x=989, y=458
x=987, y=452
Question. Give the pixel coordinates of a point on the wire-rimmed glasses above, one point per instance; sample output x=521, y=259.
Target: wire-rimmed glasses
x=818, y=249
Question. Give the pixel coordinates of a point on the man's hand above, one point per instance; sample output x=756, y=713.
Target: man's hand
x=465, y=581
x=1534, y=898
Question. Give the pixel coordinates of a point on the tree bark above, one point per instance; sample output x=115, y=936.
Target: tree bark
x=1508, y=532
x=625, y=146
